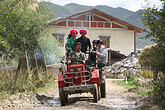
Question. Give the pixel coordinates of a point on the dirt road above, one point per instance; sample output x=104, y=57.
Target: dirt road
x=117, y=98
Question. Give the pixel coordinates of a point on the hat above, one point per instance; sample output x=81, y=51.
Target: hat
x=77, y=43
x=69, y=36
x=83, y=30
x=74, y=31
x=94, y=41
x=99, y=42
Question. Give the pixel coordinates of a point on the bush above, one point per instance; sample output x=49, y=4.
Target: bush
x=10, y=84
x=146, y=74
x=158, y=92
x=52, y=49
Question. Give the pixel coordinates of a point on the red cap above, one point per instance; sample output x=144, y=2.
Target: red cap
x=73, y=31
x=83, y=30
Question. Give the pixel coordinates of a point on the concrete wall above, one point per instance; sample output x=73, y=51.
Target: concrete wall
x=120, y=40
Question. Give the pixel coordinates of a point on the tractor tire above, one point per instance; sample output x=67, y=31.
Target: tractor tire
x=66, y=98
x=95, y=93
x=103, y=90
x=62, y=96
x=99, y=94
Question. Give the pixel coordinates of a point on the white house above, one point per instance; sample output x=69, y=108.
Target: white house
x=115, y=33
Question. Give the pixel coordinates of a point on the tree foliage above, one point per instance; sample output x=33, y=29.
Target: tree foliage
x=21, y=25
x=52, y=50
x=154, y=19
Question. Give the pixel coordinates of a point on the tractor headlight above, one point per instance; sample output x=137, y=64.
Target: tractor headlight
x=79, y=69
x=72, y=69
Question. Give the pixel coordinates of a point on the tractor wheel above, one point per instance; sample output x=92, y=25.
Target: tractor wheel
x=95, y=93
x=99, y=94
x=103, y=90
x=62, y=96
x=66, y=98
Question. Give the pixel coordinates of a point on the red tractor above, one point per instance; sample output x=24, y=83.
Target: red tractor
x=81, y=78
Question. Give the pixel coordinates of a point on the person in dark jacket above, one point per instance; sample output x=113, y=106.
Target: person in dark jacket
x=93, y=55
x=85, y=42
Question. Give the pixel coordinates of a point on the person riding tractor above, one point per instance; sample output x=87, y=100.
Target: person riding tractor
x=85, y=42
x=76, y=56
x=102, y=54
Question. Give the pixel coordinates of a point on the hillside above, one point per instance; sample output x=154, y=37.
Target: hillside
x=121, y=13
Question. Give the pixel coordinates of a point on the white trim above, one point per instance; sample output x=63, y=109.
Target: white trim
x=91, y=28
x=104, y=24
x=111, y=24
x=89, y=20
x=74, y=23
x=80, y=21
x=67, y=23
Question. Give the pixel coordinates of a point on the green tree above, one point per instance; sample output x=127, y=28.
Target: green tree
x=23, y=24
x=52, y=50
x=154, y=19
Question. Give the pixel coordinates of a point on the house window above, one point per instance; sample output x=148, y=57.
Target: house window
x=59, y=38
x=106, y=40
x=88, y=18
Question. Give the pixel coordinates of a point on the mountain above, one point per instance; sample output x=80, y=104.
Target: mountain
x=121, y=13
x=132, y=19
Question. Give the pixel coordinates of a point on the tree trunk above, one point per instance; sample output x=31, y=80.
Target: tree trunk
x=40, y=60
x=155, y=74
x=23, y=67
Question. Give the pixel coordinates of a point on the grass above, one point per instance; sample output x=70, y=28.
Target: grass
x=46, y=87
x=44, y=81
x=132, y=83
x=146, y=74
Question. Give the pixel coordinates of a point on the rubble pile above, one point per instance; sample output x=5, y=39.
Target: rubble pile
x=129, y=65
x=116, y=56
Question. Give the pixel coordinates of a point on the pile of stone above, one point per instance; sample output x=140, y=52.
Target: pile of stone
x=129, y=65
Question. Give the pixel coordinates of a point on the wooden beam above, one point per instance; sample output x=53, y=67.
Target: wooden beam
x=135, y=41
x=89, y=20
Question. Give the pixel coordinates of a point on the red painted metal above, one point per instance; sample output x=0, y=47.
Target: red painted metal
x=95, y=77
x=77, y=81
x=61, y=80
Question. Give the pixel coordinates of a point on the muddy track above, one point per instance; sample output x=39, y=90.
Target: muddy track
x=117, y=98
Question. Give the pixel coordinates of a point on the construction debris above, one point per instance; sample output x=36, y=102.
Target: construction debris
x=116, y=56
x=129, y=65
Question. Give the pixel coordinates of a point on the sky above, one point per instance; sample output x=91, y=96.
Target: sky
x=132, y=5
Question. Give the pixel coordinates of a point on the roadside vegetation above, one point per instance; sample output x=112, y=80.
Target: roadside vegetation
x=22, y=59
x=154, y=19
x=132, y=82
x=25, y=85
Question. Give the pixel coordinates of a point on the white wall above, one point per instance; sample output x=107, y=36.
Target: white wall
x=120, y=40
